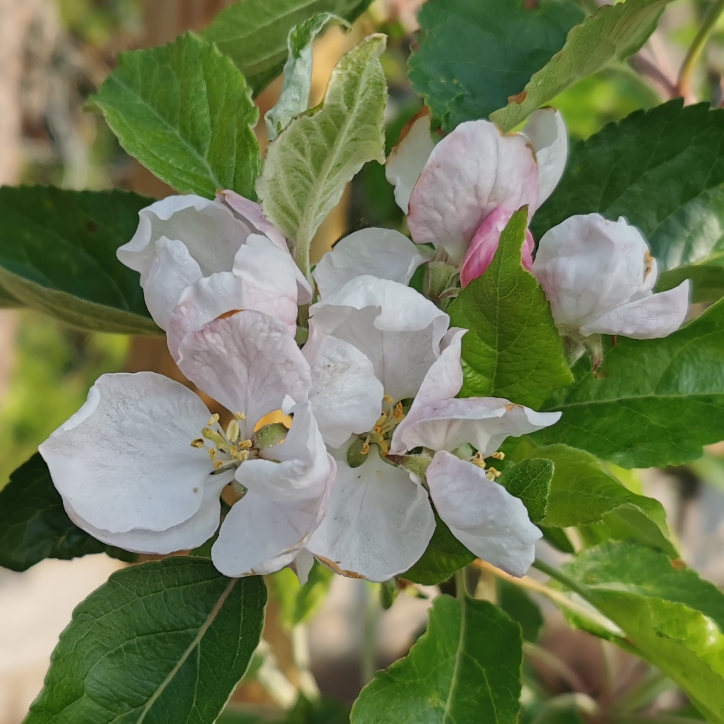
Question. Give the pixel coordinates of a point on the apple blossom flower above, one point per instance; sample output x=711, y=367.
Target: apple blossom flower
x=461, y=193
x=199, y=259
x=598, y=276
x=142, y=464
x=374, y=345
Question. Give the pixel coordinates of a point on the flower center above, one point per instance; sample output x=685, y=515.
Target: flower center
x=490, y=472
x=227, y=449
x=381, y=434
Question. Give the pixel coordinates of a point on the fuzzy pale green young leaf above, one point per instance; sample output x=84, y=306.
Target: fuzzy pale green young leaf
x=161, y=643
x=473, y=55
x=309, y=165
x=58, y=255
x=34, y=525
x=612, y=33
x=294, y=98
x=465, y=668
x=673, y=617
x=513, y=349
x=253, y=33
x=185, y=112
x=652, y=402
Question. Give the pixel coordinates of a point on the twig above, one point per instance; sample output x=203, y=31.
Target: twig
x=695, y=50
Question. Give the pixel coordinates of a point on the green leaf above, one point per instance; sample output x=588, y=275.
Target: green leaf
x=674, y=618
x=582, y=493
x=653, y=402
x=521, y=608
x=294, y=98
x=8, y=301
x=444, y=555
x=58, y=255
x=707, y=280
x=308, y=166
x=253, y=33
x=300, y=602
x=473, y=55
x=160, y=643
x=530, y=481
x=612, y=33
x=513, y=349
x=185, y=112
x=662, y=169
x=465, y=668
x=35, y=526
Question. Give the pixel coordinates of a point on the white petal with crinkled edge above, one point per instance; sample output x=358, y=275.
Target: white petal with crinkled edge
x=547, y=131
x=185, y=536
x=651, y=317
x=408, y=158
x=248, y=362
x=125, y=460
x=381, y=253
x=470, y=173
x=378, y=522
x=260, y=536
x=296, y=468
x=588, y=266
x=251, y=213
x=484, y=422
x=346, y=396
x=170, y=273
x=208, y=229
x=481, y=514
x=394, y=326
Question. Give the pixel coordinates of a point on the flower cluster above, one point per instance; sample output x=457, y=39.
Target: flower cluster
x=344, y=447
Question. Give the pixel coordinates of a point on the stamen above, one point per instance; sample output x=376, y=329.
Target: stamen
x=214, y=419
x=217, y=438
x=246, y=444
x=365, y=448
x=240, y=416
x=398, y=412
x=198, y=443
x=212, y=453
x=389, y=400
x=478, y=460
x=233, y=432
x=498, y=455
x=493, y=473
x=218, y=464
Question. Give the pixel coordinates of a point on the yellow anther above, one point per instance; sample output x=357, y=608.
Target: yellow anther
x=240, y=455
x=214, y=419
x=498, y=455
x=218, y=464
x=198, y=443
x=378, y=429
x=240, y=416
x=233, y=432
x=510, y=407
x=217, y=438
x=398, y=412
x=389, y=400
x=212, y=453
x=493, y=473
x=365, y=449
x=384, y=447
x=478, y=460
x=246, y=444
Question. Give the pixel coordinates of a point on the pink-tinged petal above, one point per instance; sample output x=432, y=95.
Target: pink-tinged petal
x=261, y=536
x=208, y=229
x=297, y=468
x=248, y=362
x=394, y=326
x=251, y=213
x=172, y=271
x=482, y=515
x=469, y=174
x=125, y=460
x=654, y=316
x=382, y=253
x=346, y=396
x=588, y=266
x=185, y=536
x=485, y=243
x=378, y=522
x=484, y=422
x=547, y=131
x=408, y=158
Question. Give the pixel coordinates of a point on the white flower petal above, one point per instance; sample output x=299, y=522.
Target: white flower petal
x=470, y=173
x=188, y=535
x=125, y=460
x=408, y=158
x=484, y=422
x=303, y=565
x=296, y=468
x=346, y=396
x=481, y=514
x=394, y=326
x=382, y=253
x=547, y=131
x=170, y=274
x=651, y=317
x=260, y=536
x=378, y=522
x=208, y=229
x=588, y=266
x=251, y=213
x=248, y=362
